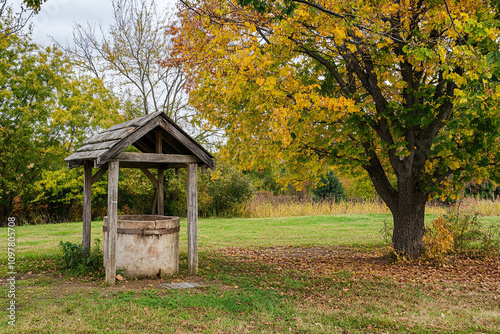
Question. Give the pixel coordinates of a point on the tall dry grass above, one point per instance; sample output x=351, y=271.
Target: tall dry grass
x=265, y=205
x=482, y=206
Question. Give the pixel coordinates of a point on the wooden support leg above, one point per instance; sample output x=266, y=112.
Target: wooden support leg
x=161, y=193
x=155, y=201
x=192, y=219
x=87, y=208
x=114, y=168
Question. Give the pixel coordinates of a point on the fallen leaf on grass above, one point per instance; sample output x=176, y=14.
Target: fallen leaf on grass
x=318, y=261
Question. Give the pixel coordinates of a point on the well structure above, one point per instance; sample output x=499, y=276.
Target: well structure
x=146, y=245
x=162, y=145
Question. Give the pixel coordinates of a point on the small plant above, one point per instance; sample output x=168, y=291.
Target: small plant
x=386, y=232
x=464, y=234
x=467, y=229
x=79, y=260
x=439, y=239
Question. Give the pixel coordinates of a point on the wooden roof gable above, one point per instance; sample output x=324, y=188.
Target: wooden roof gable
x=146, y=133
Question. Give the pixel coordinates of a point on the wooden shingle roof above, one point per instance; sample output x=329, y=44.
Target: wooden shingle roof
x=177, y=147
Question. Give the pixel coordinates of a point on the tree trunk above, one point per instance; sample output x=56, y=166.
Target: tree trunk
x=407, y=205
x=409, y=227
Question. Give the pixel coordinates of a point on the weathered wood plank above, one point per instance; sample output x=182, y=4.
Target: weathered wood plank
x=155, y=158
x=155, y=201
x=137, y=122
x=89, y=155
x=109, y=134
x=114, y=168
x=126, y=142
x=150, y=165
x=98, y=146
x=87, y=208
x=143, y=147
x=150, y=176
x=161, y=193
x=99, y=174
x=192, y=219
x=73, y=164
x=158, y=141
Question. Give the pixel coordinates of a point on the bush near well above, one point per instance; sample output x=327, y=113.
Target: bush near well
x=82, y=261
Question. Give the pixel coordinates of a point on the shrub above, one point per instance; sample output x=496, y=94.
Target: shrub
x=220, y=192
x=463, y=234
x=329, y=188
x=82, y=261
x=227, y=190
x=387, y=231
x=439, y=239
x=175, y=193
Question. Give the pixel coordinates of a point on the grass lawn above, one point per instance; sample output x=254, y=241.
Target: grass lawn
x=319, y=274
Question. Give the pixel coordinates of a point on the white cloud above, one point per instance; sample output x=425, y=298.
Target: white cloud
x=57, y=18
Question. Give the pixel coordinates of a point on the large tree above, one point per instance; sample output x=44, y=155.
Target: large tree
x=132, y=57
x=128, y=54
x=405, y=90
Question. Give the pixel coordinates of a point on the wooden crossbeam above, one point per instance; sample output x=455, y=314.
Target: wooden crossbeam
x=156, y=158
x=99, y=174
x=150, y=176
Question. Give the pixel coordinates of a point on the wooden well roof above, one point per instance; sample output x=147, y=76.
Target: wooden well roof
x=146, y=133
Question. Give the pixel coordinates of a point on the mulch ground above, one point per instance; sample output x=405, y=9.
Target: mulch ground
x=480, y=273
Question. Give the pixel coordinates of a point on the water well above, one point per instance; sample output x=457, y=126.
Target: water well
x=146, y=245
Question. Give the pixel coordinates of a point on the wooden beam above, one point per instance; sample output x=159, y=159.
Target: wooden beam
x=150, y=165
x=73, y=164
x=156, y=158
x=99, y=174
x=150, y=176
x=155, y=201
x=161, y=193
x=192, y=218
x=158, y=141
x=143, y=147
x=114, y=168
x=87, y=205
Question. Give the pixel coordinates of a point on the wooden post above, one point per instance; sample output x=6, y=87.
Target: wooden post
x=87, y=206
x=192, y=219
x=155, y=201
x=161, y=192
x=113, y=171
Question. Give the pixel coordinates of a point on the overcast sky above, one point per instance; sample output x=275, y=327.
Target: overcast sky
x=57, y=17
